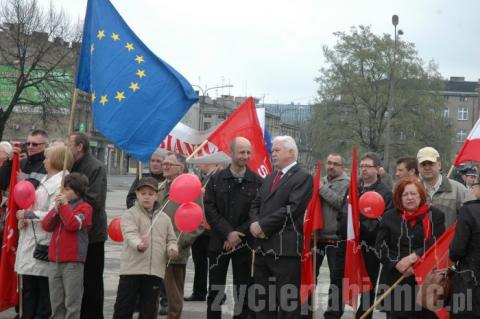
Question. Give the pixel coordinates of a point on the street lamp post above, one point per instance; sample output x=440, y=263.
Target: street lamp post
x=391, y=94
x=204, y=91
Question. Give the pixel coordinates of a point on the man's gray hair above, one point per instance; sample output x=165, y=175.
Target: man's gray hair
x=288, y=142
x=180, y=159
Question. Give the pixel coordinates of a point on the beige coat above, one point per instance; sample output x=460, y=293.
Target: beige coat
x=135, y=223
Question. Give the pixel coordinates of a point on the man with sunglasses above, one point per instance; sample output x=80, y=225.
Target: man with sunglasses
x=31, y=167
x=333, y=189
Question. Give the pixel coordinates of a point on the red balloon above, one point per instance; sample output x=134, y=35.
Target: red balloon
x=371, y=204
x=188, y=217
x=24, y=194
x=185, y=188
x=115, y=230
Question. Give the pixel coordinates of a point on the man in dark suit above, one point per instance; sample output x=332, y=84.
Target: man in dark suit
x=279, y=211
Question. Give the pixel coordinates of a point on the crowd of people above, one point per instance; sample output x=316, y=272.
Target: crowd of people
x=254, y=224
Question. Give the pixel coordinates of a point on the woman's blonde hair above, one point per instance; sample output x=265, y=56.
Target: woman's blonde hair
x=56, y=155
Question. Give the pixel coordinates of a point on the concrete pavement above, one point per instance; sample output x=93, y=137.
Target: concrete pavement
x=117, y=190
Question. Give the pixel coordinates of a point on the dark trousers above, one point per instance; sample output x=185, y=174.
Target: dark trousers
x=200, y=261
x=276, y=287
x=241, y=267
x=335, y=253
x=421, y=314
x=372, y=263
x=92, y=302
x=146, y=288
x=35, y=297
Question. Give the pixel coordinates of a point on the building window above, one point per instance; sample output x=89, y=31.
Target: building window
x=403, y=137
x=446, y=113
x=462, y=114
x=206, y=125
x=461, y=135
x=463, y=99
x=445, y=97
x=207, y=116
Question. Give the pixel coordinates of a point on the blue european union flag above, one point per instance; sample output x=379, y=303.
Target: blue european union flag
x=137, y=98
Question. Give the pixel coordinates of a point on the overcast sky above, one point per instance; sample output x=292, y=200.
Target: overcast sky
x=273, y=48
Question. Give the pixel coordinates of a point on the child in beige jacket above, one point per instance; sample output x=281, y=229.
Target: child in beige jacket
x=149, y=242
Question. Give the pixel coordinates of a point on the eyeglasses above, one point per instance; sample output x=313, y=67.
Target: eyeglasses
x=170, y=165
x=334, y=164
x=33, y=144
x=367, y=166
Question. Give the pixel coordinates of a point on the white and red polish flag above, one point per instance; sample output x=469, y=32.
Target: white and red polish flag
x=470, y=150
x=356, y=279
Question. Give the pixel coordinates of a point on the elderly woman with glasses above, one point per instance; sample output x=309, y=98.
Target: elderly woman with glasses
x=405, y=233
x=465, y=251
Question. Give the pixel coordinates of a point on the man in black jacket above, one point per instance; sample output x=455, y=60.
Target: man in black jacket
x=32, y=168
x=156, y=171
x=279, y=209
x=370, y=181
x=227, y=201
x=87, y=164
x=200, y=245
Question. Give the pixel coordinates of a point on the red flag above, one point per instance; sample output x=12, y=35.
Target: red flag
x=8, y=277
x=313, y=222
x=356, y=279
x=435, y=257
x=470, y=150
x=244, y=122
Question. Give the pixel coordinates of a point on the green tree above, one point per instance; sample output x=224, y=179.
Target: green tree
x=354, y=89
x=36, y=60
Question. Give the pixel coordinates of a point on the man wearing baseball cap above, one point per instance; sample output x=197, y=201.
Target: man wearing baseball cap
x=443, y=193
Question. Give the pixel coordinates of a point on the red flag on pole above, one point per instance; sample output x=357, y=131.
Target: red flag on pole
x=313, y=222
x=435, y=257
x=470, y=150
x=8, y=277
x=356, y=279
x=244, y=122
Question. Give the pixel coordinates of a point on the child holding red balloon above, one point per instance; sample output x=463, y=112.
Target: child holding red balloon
x=69, y=220
x=149, y=241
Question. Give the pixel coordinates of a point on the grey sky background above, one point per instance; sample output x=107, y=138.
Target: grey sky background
x=273, y=48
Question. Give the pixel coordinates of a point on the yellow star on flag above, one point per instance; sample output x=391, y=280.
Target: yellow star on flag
x=101, y=34
x=139, y=59
x=120, y=96
x=103, y=99
x=92, y=48
x=134, y=86
x=129, y=46
x=115, y=36
x=141, y=73
x=93, y=96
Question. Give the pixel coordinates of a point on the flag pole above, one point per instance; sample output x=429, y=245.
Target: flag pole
x=385, y=295
x=70, y=130
x=314, y=293
x=450, y=171
x=196, y=150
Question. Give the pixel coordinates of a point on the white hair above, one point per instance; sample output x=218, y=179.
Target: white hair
x=7, y=147
x=288, y=142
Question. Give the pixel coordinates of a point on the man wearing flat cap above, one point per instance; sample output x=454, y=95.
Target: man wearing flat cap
x=443, y=193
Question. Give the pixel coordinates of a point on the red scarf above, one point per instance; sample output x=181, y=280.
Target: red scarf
x=412, y=218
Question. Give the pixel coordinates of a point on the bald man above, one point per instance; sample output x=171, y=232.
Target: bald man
x=227, y=200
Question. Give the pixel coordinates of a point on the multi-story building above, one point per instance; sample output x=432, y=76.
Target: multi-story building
x=210, y=112
x=462, y=107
